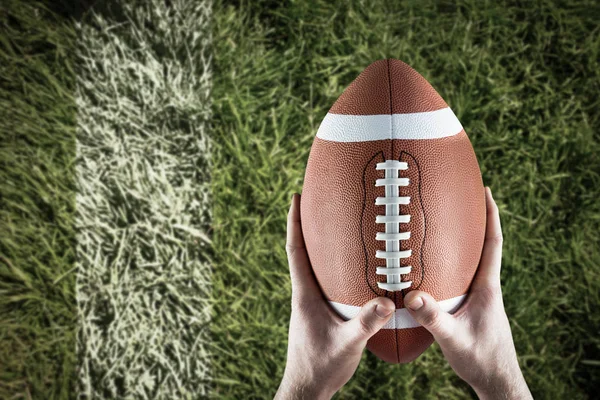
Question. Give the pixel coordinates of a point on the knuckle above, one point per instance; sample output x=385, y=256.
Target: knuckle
x=290, y=249
x=492, y=208
x=431, y=319
x=496, y=239
x=364, y=324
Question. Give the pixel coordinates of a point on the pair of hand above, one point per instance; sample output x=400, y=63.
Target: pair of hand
x=324, y=350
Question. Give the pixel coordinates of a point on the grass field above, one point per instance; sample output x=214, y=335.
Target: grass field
x=524, y=81
x=108, y=186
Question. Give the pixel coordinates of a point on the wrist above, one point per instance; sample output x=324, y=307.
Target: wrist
x=295, y=386
x=507, y=386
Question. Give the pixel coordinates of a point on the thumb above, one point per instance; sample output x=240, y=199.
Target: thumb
x=371, y=318
x=426, y=311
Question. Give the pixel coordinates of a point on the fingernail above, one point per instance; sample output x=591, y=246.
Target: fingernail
x=416, y=303
x=383, y=312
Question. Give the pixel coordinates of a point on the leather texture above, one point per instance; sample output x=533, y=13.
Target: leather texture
x=447, y=206
x=388, y=87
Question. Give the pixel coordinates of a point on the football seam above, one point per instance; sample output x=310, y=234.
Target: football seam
x=419, y=191
x=392, y=153
x=399, y=206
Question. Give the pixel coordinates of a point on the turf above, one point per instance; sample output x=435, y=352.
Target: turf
x=523, y=78
x=37, y=203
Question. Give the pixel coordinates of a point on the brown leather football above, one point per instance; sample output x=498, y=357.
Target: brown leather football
x=393, y=201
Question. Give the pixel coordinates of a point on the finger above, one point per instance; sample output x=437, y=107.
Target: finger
x=304, y=284
x=371, y=318
x=426, y=311
x=488, y=273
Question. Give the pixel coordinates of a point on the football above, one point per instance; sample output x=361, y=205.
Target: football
x=392, y=201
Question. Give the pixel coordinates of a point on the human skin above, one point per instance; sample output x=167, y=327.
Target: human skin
x=324, y=350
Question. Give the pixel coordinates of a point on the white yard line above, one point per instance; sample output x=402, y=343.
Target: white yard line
x=143, y=156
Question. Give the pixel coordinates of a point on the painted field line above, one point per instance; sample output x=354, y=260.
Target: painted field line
x=143, y=158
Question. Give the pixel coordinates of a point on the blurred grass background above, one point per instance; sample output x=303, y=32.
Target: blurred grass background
x=523, y=78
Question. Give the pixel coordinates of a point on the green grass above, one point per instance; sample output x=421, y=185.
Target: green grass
x=522, y=77
x=524, y=80
x=37, y=203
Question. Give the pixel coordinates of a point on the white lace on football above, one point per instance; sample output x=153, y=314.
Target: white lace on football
x=392, y=218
